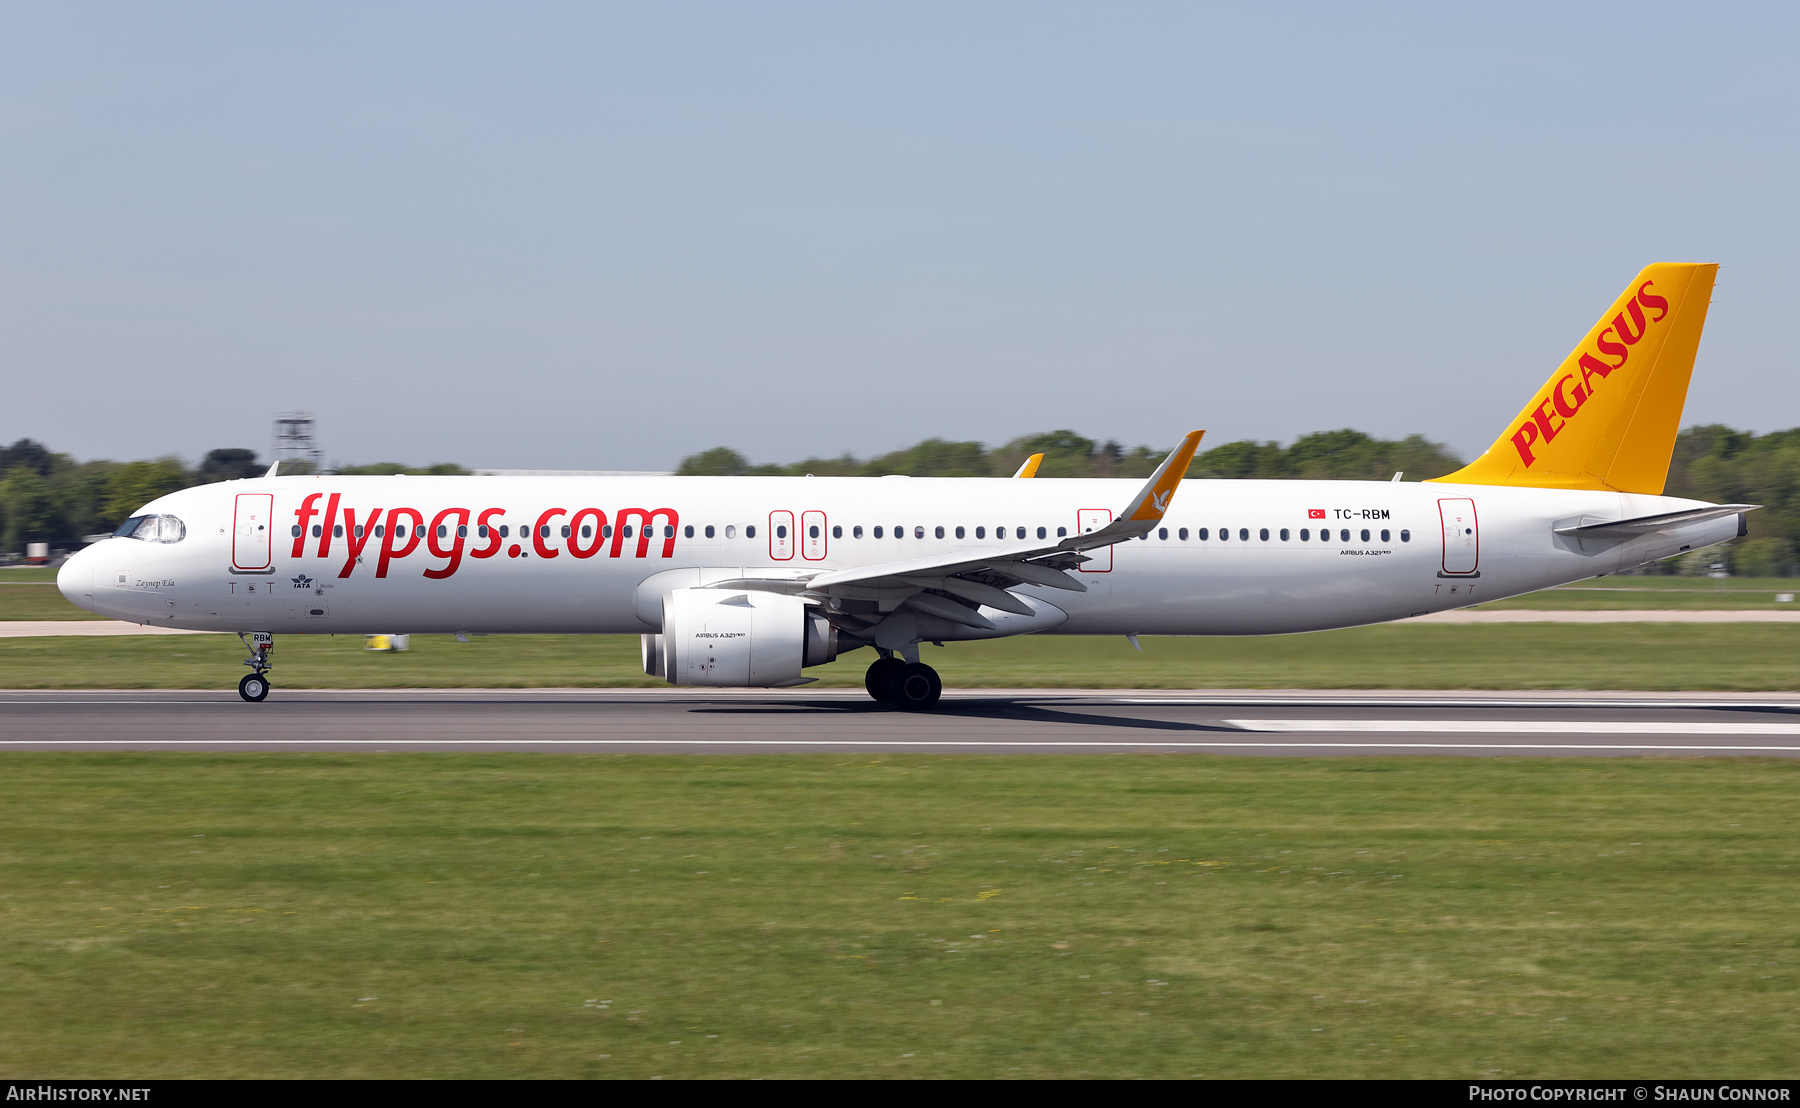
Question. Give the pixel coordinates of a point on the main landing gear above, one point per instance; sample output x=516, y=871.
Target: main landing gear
x=255, y=685
x=911, y=685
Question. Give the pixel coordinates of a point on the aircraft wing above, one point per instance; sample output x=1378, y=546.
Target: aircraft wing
x=976, y=578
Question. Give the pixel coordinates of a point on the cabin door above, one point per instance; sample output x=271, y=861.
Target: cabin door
x=1462, y=538
x=251, y=540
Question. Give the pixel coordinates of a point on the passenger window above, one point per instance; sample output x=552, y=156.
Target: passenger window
x=380, y=530
x=938, y=532
x=669, y=531
x=686, y=532
x=1365, y=534
x=749, y=531
x=781, y=530
x=709, y=530
x=877, y=532
x=813, y=531
x=856, y=532
x=317, y=530
x=1224, y=533
x=626, y=531
x=1405, y=536
x=1344, y=535
x=1305, y=534
x=1263, y=534
x=296, y=531
x=1284, y=534
x=443, y=531
x=337, y=531
x=1062, y=532
x=359, y=530
x=587, y=531
x=605, y=531
x=959, y=532
x=918, y=531
x=837, y=531
x=1042, y=533
x=505, y=531
x=1386, y=535
x=1182, y=534
x=1243, y=534
x=481, y=530
x=1162, y=533
x=1202, y=534
x=462, y=530
x=731, y=530
x=981, y=532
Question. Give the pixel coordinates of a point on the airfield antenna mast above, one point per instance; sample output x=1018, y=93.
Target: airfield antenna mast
x=296, y=440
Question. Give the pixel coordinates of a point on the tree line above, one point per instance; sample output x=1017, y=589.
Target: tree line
x=49, y=497
x=1712, y=462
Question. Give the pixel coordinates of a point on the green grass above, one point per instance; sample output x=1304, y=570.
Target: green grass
x=30, y=593
x=40, y=574
x=37, y=601
x=798, y=916
x=1615, y=593
x=1409, y=656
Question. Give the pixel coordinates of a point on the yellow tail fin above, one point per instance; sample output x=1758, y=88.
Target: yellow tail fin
x=1607, y=418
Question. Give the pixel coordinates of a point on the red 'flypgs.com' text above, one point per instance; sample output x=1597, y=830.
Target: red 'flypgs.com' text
x=586, y=533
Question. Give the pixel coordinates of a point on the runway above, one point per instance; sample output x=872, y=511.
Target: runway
x=1291, y=723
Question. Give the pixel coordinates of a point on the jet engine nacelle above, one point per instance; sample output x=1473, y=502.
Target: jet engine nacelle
x=731, y=639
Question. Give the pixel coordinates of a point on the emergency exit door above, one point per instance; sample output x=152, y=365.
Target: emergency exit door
x=781, y=536
x=251, y=539
x=1093, y=519
x=1462, y=538
x=812, y=535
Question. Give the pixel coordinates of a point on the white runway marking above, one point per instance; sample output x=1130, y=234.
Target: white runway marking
x=1516, y=727
x=84, y=628
x=835, y=744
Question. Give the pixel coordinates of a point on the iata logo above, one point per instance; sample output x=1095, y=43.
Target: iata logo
x=1567, y=396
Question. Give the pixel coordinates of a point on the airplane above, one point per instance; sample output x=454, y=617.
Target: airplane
x=748, y=581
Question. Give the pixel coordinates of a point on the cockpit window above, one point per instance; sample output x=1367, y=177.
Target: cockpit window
x=163, y=529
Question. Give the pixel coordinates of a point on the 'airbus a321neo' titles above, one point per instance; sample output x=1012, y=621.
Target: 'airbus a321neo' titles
x=747, y=581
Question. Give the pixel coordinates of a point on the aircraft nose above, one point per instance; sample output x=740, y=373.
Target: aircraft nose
x=75, y=580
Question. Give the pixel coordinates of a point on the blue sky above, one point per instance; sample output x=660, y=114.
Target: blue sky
x=607, y=236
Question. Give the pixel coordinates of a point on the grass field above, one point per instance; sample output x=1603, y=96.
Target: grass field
x=1613, y=593
x=30, y=593
x=601, y=916
x=1509, y=656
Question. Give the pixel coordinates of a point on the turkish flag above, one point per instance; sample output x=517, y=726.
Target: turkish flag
x=1315, y=513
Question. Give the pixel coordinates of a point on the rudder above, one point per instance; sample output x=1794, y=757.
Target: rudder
x=1607, y=418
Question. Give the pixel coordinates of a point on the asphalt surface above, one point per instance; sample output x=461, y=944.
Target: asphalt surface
x=1300, y=723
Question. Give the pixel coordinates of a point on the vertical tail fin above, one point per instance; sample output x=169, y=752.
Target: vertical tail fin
x=1607, y=418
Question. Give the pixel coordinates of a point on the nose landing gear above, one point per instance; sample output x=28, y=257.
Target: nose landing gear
x=255, y=685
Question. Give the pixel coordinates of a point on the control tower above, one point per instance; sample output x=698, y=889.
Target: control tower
x=296, y=440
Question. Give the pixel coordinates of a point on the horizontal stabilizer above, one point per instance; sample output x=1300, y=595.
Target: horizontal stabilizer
x=1644, y=525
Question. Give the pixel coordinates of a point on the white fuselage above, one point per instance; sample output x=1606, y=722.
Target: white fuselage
x=240, y=566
